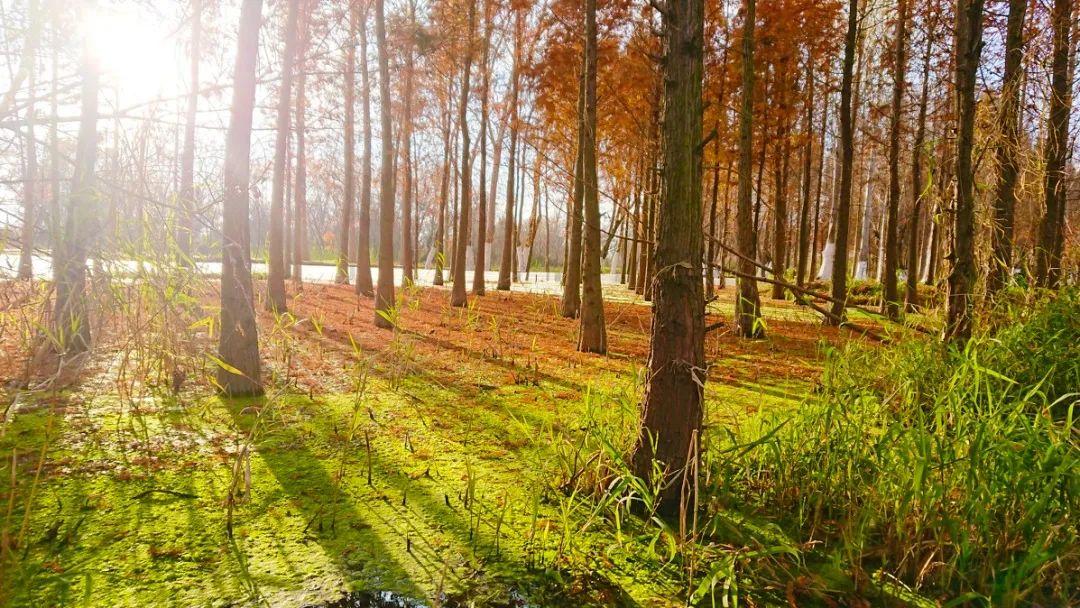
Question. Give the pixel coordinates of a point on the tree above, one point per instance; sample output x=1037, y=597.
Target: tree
x=748, y=304
x=1051, y=229
x=507, y=262
x=480, y=259
x=969, y=26
x=407, y=260
x=275, y=276
x=186, y=226
x=363, y=233
x=593, y=338
x=238, y=343
x=1007, y=151
x=384, y=296
x=847, y=155
x=807, y=179
x=571, y=297
x=70, y=322
x=300, y=212
x=30, y=183
x=672, y=412
x=890, y=298
x=919, y=190
x=348, y=198
x=458, y=297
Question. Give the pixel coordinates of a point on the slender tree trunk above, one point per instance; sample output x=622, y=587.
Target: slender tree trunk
x=593, y=336
x=506, y=268
x=780, y=213
x=349, y=187
x=275, y=278
x=672, y=410
x=890, y=294
x=1008, y=151
x=480, y=260
x=238, y=343
x=458, y=297
x=1051, y=229
x=847, y=151
x=802, y=262
x=407, y=256
x=444, y=193
x=710, y=254
x=748, y=302
x=186, y=228
x=384, y=296
x=31, y=185
x=571, y=300
x=300, y=186
x=363, y=236
x=969, y=26
x=918, y=189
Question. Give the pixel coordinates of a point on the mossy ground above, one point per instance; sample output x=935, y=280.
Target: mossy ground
x=117, y=493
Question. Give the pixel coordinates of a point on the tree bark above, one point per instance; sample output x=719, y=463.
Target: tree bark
x=458, y=297
x=1051, y=229
x=969, y=18
x=593, y=335
x=890, y=296
x=348, y=200
x=918, y=189
x=847, y=150
x=300, y=178
x=407, y=256
x=363, y=236
x=571, y=300
x=480, y=253
x=186, y=226
x=748, y=302
x=275, y=278
x=672, y=411
x=384, y=296
x=238, y=343
x=802, y=262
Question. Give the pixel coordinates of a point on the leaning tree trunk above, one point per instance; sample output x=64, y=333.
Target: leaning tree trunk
x=363, y=237
x=847, y=151
x=238, y=343
x=969, y=26
x=890, y=296
x=348, y=198
x=275, y=277
x=384, y=296
x=593, y=337
x=672, y=411
x=458, y=296
x=748, y=302
x=1051, y=229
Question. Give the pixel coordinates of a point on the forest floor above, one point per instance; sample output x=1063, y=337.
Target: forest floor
x=420, y=463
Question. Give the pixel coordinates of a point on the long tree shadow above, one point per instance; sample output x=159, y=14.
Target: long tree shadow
x=350, y=540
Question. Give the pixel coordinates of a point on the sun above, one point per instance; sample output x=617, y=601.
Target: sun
x=133, y=51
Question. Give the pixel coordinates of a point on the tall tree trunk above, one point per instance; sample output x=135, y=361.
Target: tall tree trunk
x=918, y=189
x=748, y=302
x=275, y=278
x=571, y=299
x=969, y=27
x=480, y=259
x=890, y=296
x=847, y=152
x=1008, y=151
x=710, y=248
x=444, y=193
x=348, y=199
x=593, y=335
x=780, y=213
x=407, y=257
x=186, y=226
x=384, y=296
x=363, y=230
x=31, y=184
x=238, y=343
x=672, y=411
x=1051, y=229
x=461, y=238
x=506, y=268
x=300, y=219
x=802, y=263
